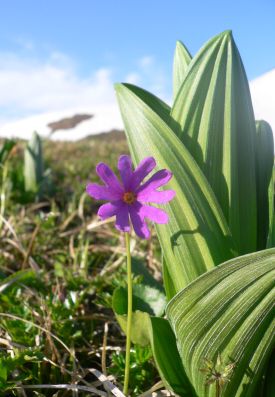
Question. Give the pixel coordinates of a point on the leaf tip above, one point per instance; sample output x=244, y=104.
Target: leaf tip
x=117, y=86
x=228, y=34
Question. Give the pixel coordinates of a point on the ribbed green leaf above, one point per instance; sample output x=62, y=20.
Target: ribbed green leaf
x=216, y=123
x=156, y=104
x=33, y=164
x=197, y=236
x=269, y=385
x=140, y=270
x=167, y=358
x=227, y=311
x=167, y=281
x=182, y=59
x=264, y=167
x=271, y=206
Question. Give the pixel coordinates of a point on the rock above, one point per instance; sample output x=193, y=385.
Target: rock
x=68, y=122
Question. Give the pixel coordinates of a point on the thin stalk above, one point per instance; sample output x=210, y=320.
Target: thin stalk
x=129, y=314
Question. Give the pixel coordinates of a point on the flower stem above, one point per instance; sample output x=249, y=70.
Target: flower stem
x=129, y=314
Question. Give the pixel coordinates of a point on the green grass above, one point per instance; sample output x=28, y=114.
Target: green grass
x=57, y=276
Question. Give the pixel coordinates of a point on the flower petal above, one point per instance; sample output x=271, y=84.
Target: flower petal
x=160, y=178
x=108, y=177
x=125, y=169
x=139, y=225
x=122, y=219
x=143, y=169
x=154, y=196
x=154, y=214
x=109, y=209
x=99, y=192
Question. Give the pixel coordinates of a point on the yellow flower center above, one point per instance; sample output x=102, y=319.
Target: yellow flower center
x=129, y=197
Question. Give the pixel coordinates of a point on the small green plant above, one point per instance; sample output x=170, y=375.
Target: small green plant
x=142, y=370
x=34, y=174
x=217, y=373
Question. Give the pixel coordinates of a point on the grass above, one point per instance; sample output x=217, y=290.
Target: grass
x=58, y=269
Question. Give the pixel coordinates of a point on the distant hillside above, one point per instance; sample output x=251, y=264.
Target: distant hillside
x=110, y=135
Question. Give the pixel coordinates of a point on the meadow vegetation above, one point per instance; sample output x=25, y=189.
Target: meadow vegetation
x=58, y=271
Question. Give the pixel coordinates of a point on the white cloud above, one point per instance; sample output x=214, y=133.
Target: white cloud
x=133, y=78
x=33, y=93
x=146, y=61
x=51, y=86
x=24, y=43
x=263, y=97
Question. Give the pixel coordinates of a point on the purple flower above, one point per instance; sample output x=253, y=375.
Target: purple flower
x=129, y=199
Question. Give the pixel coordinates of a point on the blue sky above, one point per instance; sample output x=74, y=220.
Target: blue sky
x=68, y=44
x=118, y=32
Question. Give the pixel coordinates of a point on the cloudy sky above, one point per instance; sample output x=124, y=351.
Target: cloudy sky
x=61, y=57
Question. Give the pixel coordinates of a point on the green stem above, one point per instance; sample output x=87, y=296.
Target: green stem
x=129, y=314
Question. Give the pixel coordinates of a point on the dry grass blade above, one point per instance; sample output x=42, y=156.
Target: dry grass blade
x=10, y=345
x=97, y=224
x=153, y=389
x=107, y=384
x=87, y=226
x=103, y=355
x=67, y=221
x=30, y=247
x=65, y=386
x=18, y=245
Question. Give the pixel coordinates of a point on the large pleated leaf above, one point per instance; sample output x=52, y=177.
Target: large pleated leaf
x=167, y=280
x=215, y=120
x=228, y=311
x=167, y=358
x=182, y=59
x=264, y=167
x=156, y=104
x=197, y=236
x=271, y=206
x=269, y=386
